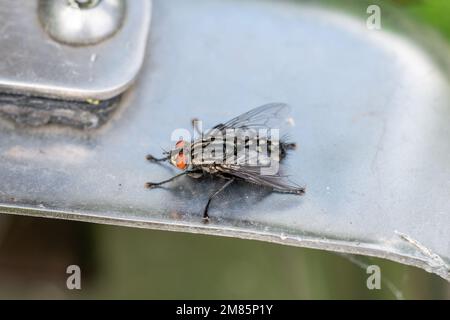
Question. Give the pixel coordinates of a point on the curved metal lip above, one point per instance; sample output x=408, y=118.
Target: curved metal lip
x=64, y=93
x=283, y=238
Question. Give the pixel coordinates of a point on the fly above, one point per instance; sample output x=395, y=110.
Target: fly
x=247, y=148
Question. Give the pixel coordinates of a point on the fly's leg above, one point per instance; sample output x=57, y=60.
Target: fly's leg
x=205, y=212
x=160, y=161
x=195, y=125
x=298, y=191
x=152, y=185
x=154, y=159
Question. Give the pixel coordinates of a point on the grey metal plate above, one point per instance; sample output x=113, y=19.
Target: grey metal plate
x=32, y=62
x=371, y=111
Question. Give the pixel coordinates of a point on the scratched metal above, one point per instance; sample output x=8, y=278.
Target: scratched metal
x=371, y=111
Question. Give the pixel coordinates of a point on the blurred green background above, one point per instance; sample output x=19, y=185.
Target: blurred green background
x=143, y=264
x=124, y=263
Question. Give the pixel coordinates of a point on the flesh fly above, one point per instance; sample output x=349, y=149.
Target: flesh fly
x=247, y=148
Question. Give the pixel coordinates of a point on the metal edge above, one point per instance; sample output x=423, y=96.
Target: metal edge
x=336, y=245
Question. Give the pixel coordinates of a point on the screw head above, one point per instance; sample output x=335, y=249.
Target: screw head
x=81, y=22
x=83, y=4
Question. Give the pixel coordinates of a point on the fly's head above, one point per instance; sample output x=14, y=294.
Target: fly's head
x=180, y=156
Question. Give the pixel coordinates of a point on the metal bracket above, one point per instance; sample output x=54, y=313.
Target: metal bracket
x=35, y=63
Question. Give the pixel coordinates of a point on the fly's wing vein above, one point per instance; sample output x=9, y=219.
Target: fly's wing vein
x=268, y=116
x=253, y=174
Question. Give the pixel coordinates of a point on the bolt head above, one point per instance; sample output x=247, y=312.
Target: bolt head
x=81, y=22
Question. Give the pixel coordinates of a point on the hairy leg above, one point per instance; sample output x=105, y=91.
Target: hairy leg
x=154, y=159
x=151, y=185
x=215, y=194
x=298, y=191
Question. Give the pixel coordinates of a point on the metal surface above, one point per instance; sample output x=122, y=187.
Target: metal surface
x=81, y=22
x=371, y=111
x=34, y=63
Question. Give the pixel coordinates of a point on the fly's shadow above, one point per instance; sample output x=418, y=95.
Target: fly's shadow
x=193, y=195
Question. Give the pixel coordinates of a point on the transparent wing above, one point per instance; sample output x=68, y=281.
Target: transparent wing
x=252, y=174
x=269, y=116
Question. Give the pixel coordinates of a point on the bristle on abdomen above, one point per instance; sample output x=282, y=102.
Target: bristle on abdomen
x=285, y=147
x=289, y=146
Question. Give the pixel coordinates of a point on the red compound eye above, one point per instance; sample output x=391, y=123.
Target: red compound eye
x=181, y=161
